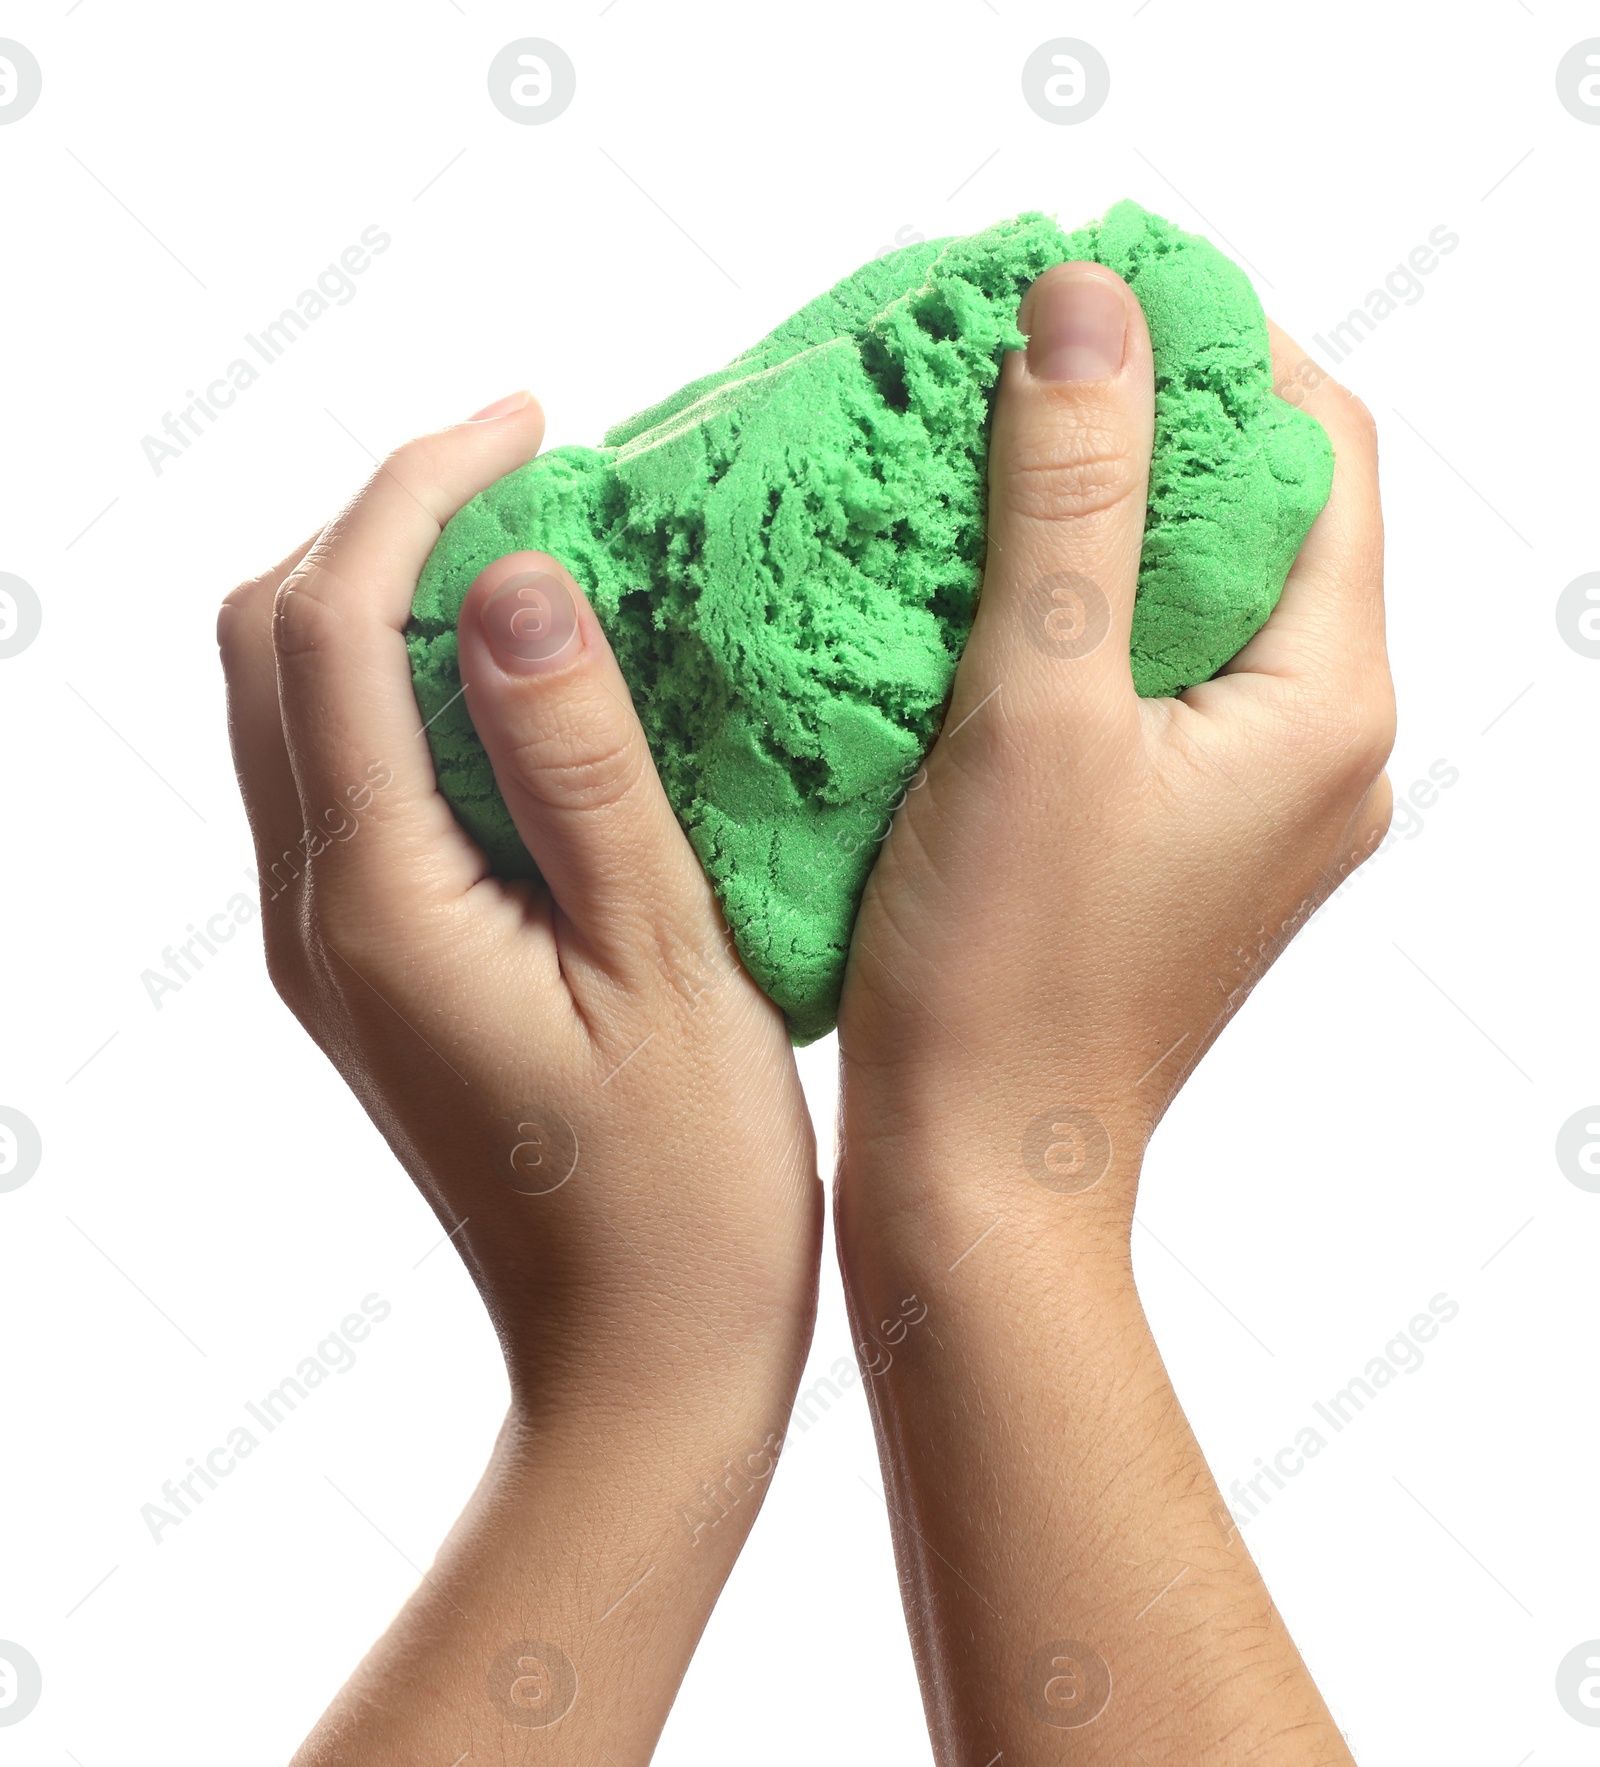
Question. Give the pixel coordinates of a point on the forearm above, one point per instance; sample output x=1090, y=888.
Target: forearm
x=560, y=1615
x=1067, y=1560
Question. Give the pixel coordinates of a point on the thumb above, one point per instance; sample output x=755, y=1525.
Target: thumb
x=571, y=761
x=1069, y=468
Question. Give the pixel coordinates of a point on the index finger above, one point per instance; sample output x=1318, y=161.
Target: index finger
x=344, y=677
x=1329, y=621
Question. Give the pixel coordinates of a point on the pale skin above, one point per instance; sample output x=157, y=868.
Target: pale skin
x=1084, y=882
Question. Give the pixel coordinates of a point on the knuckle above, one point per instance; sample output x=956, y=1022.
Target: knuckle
x=286, y=968
x=1344, y=743
x=1379, y=726
x=283, y=876
x=302, y=619
x=977, y=752
x=240, y=610
x=1027, y=733
x=1362, y=423
x=1366, y=736
x=414, y=467
x=1376, y=819
x=250, y=596
x=583, y=757
x=1072, y=471
x=1040, y=749
x=411, y=456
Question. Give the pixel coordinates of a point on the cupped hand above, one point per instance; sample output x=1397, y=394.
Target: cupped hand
x=1087, y=885
x=600, y=1106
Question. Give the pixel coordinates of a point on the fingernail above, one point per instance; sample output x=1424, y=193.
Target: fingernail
x=1079, y=327
x=531, y=622
x=502, y=407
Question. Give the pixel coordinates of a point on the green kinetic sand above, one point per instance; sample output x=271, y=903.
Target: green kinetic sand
x=786, y=556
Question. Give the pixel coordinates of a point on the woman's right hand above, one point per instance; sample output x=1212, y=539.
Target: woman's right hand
x=1064, y=916
x=1087, y=885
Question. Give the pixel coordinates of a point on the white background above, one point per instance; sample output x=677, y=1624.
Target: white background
x=1377, y=1128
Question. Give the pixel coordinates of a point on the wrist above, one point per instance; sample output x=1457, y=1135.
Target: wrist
x=989, y=1262
x=680, y=1480
x=926, y=1170
x=679, y=1373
